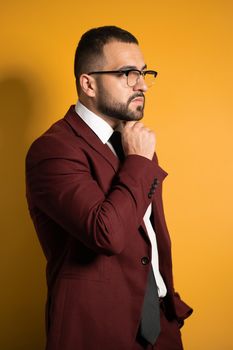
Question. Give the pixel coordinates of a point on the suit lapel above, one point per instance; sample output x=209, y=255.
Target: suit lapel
x=82, y=130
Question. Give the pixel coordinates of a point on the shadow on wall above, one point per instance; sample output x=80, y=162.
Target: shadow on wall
x=22, y=264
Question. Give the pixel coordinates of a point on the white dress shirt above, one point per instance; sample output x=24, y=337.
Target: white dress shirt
x=104, y=131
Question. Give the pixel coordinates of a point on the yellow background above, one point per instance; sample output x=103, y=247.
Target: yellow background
x=190, y=108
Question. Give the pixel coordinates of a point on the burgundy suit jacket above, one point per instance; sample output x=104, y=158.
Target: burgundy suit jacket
x=88, y=211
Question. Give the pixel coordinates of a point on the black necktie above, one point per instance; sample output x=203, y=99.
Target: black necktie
x=150, y=319
x=115, y=140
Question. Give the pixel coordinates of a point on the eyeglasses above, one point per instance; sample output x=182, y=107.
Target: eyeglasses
x=132, y=75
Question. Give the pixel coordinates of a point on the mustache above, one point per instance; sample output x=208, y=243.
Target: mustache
x=138, y=94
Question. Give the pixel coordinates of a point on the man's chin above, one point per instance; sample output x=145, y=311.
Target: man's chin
x=137, y=114
x=138, y=117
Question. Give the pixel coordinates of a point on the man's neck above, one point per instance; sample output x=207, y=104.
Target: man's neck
x=114, y=123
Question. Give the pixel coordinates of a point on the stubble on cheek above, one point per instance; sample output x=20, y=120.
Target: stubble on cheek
x=111, y=107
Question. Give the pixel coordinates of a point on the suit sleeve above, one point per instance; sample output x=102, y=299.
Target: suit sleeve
x=64, y=189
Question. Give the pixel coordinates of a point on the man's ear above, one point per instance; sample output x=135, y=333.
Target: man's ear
x=87, y=85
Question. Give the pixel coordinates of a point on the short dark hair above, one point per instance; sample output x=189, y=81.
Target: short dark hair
x=90, y=46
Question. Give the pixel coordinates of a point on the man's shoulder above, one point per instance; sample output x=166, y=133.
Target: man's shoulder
x=58, y=141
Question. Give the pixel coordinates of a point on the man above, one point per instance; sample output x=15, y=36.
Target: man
x=95, y=201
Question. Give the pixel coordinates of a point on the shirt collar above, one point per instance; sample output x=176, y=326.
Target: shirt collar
x=99, y=126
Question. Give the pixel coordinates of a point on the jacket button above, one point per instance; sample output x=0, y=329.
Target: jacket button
x=145, y=260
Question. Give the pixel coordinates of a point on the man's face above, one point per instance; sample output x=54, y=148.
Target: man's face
x=114, y=98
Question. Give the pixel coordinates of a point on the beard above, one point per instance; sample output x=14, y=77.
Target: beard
x=121, y=111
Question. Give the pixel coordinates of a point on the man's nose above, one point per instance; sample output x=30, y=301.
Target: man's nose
x=140, y=84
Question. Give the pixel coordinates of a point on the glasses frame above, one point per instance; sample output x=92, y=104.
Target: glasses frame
x=126, y=72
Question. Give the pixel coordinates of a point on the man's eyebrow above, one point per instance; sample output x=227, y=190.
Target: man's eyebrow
x=132, y=67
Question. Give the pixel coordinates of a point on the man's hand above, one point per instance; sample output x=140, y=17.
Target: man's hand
x=137, y=139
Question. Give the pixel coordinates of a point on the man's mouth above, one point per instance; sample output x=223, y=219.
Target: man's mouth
x=138, y=99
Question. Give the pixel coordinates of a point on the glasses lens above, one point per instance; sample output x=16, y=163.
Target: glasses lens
x=133, y=77
x=149, y=79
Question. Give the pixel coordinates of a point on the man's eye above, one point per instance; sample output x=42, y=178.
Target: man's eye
x=126, y=72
